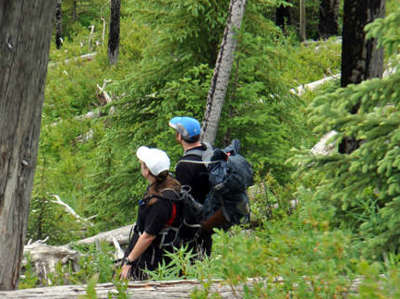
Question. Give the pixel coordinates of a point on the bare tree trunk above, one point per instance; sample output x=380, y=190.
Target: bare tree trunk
x=222, y=71
x=282, y=17
x=361, y=59
x=74, y=8
x=113, y=38
x=25, y=30
x=302, y=20
x=58, y=24
x=328, y=18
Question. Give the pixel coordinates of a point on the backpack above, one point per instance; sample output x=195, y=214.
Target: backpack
x=230, y=174
x=187, y=231
x=191, y=213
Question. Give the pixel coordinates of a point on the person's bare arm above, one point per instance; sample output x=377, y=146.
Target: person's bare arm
x=140, y=247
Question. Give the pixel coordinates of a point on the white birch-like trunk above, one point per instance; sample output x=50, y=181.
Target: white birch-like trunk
x=222, y=71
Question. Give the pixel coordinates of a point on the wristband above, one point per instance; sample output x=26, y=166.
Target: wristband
x=128, y=262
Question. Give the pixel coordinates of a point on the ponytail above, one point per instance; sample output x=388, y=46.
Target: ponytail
x=163, y=181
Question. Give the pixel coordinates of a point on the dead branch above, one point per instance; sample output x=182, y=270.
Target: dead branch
x=70, y=210
x=102, y=95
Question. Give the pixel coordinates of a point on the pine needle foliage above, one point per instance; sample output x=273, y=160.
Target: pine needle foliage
x=91, y=163
x=364, y=185
x=173, y=78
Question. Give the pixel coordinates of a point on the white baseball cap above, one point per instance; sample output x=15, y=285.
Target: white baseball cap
x=155, y=159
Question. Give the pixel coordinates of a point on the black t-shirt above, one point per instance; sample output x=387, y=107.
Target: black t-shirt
x=153, y=218
x=193, y=174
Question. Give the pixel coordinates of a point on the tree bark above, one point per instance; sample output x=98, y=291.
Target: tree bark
x=282, y=17
x=178, y=289
x=302, y=20
x=74, y=9
x=58, y=24
x=328, y=18
x=25, y=30
x=113, y=38
x=222, y=71
x=361, y=59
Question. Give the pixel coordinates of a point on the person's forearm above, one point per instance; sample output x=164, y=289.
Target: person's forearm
x=141, y=245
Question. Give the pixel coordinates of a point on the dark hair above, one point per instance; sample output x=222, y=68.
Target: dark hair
x=163, y=181
x=192, y=139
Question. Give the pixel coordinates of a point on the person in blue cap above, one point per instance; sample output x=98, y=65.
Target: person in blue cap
x=193, y=174
x=190, y=170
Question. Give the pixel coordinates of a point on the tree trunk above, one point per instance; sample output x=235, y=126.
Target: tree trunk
x=113, y=38
x=74, y=9
x=282, y=17
x=25, y=30
x=328, y=18
x=302, y=20
x=222, y=71
x=361, y=59
x=58, y=24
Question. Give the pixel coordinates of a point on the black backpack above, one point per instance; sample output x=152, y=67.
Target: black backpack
x=188, y=228
x=191, y=213
x=230, y=174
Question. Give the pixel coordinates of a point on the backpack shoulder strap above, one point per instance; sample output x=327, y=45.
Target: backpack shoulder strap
x=167, y=194
x=171, y=200
x=173, y=215
x=170, y=194
x=204, y=155
x=194, y=152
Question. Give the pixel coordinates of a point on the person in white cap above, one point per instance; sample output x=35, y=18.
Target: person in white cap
x=157, y=213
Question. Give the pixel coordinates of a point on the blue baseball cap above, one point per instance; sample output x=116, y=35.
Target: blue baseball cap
x=187, y=126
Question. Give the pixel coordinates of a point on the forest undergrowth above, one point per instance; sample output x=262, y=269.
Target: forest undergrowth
x=343, y=227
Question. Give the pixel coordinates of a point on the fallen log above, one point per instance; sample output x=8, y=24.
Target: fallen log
x=135, y=289
x=44, y=258
x=300, y=90
x=121, y=235
x=163, y=289
x=85, y=57
x=323, y=147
